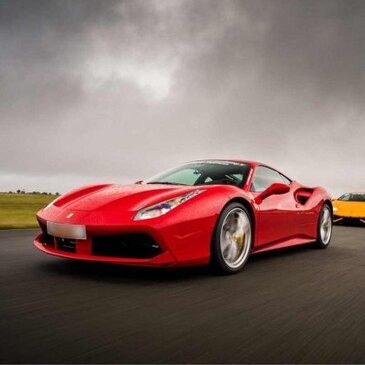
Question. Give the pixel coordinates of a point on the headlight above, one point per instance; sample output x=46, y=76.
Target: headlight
x=334, y=209
x=165, y=206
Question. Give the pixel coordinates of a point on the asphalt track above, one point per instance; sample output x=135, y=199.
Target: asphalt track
x=299, y=305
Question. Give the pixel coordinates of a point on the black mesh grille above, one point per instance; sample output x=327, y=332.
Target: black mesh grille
x=133, y=245
x=65, y=244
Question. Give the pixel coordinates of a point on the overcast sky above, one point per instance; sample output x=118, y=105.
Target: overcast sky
x=116, y=91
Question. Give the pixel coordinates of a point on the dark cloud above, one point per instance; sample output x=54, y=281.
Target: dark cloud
x=117, y=90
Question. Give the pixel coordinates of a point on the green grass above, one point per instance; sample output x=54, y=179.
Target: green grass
x=19, y=210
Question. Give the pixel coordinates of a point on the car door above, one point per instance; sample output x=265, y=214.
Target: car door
x=278, y=214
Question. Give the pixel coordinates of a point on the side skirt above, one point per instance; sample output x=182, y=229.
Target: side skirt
x=282, y=244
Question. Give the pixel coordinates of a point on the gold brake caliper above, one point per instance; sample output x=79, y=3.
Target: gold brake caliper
x=239, y=240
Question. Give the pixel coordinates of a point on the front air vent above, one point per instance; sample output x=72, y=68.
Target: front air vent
x=47, y=240
x=133, y=245
x=65, y=244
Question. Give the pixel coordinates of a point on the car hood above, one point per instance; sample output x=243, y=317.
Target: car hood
x=131, y=197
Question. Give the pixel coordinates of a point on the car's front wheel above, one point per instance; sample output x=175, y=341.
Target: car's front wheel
x=324, y=228
x=232, y=239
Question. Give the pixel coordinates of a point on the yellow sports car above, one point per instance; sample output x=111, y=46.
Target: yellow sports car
x=349, y=208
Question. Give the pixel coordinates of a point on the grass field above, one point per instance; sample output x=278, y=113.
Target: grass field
x=18, y=210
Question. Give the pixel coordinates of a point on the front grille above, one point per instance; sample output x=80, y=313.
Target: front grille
x=65, y=244
x=133, y=245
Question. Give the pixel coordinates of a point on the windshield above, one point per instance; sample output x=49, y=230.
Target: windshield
x=353, y=197
x=204, y=173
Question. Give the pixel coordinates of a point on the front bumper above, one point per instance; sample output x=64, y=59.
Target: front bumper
x=82, y=250
x=172, y=242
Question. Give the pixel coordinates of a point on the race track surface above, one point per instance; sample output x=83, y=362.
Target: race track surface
x=299, y=305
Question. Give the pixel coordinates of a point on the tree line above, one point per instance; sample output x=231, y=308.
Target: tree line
x=22, y=191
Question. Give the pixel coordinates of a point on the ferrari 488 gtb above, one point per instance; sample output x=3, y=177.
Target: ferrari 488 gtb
x=213, y=211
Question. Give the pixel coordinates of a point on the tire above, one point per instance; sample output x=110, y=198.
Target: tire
x=324, y=227
x=232, y=239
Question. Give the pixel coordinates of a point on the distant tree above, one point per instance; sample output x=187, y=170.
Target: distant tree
x=22, y=192
x=57, y=193
x=10, y=192
x=44, y=193
x=18, y=191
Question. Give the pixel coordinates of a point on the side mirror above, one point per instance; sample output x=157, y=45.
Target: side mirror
x=273, y=189
x=139, y=182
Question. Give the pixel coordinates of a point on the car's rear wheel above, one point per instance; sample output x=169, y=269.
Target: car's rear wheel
x=232, y=239
x=324, y=228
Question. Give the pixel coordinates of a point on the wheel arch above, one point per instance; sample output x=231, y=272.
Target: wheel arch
x=319, y=240
x=250, y=210
x=329, y=203
x=247, y=205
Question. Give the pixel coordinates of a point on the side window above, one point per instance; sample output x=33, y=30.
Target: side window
x=264, y=177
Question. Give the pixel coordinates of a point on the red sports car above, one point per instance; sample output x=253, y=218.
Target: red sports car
x=216, y=211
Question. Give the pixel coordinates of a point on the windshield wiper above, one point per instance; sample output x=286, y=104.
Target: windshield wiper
x=165, y=183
